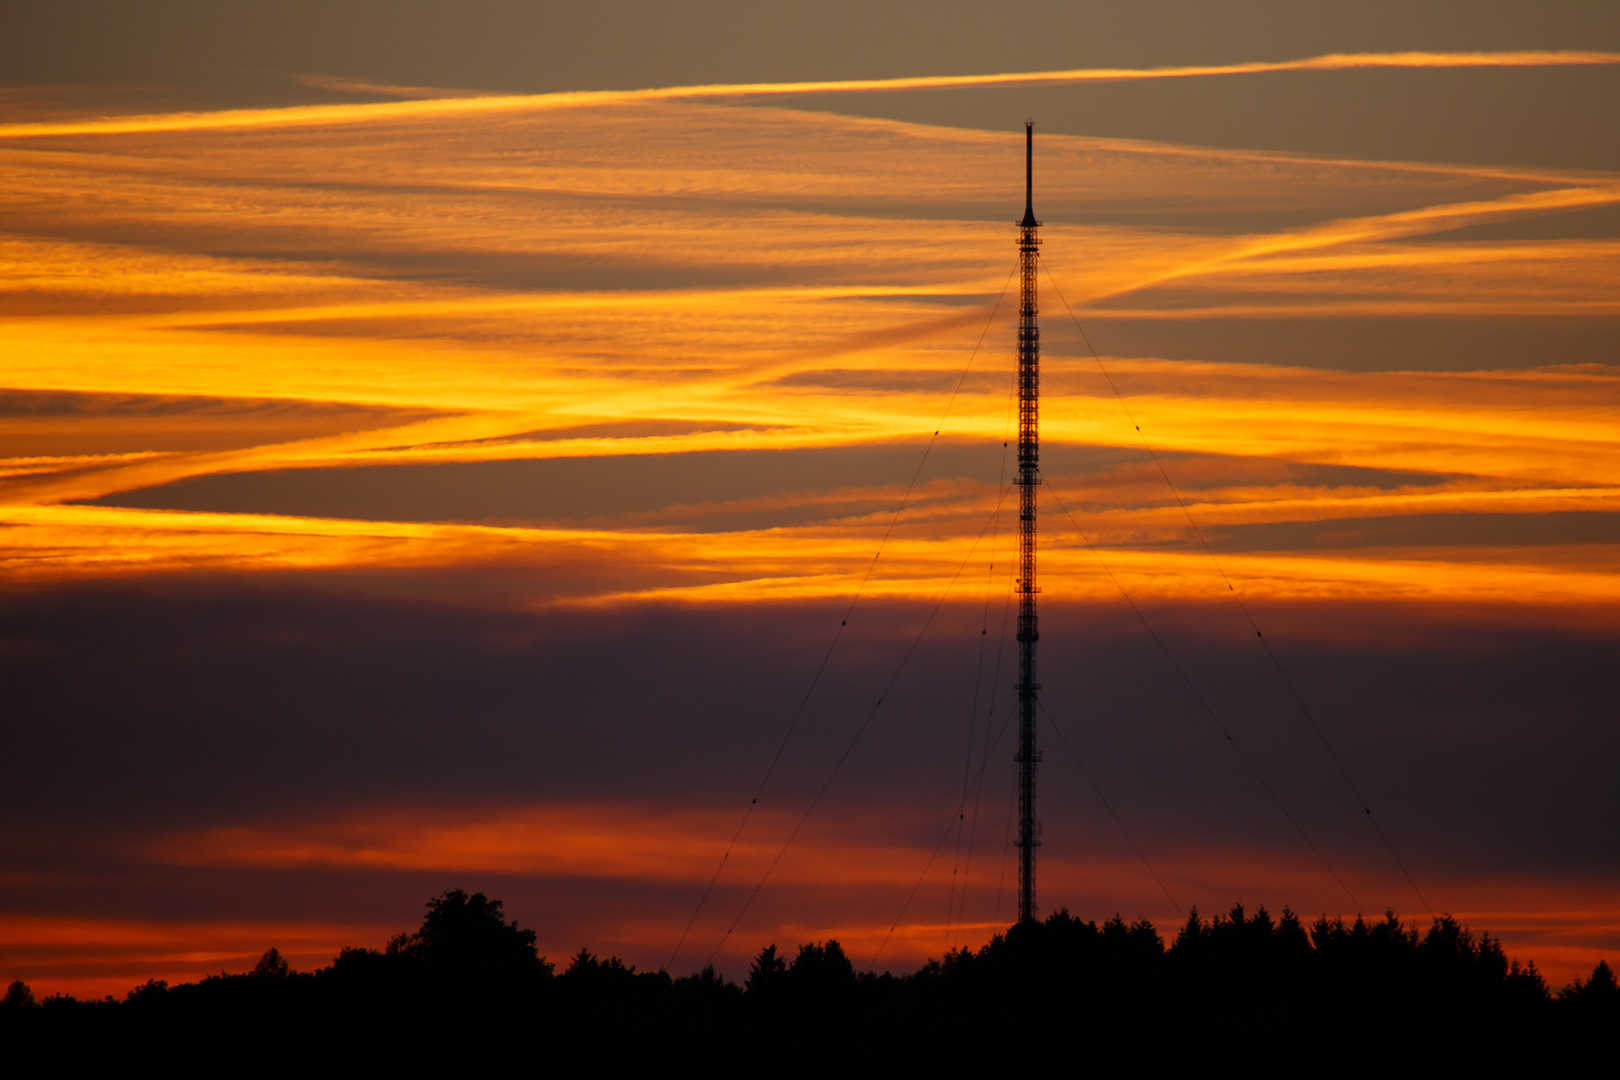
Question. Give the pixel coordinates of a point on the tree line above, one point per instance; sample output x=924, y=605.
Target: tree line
x=1243, y=989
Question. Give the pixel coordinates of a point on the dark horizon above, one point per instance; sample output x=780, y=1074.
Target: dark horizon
x=470, y=983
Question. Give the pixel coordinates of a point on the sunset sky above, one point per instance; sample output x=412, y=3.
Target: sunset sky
x=439, y=445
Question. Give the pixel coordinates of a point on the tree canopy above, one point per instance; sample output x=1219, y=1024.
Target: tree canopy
x=1246, y=987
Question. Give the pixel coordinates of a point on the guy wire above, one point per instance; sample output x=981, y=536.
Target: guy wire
x=837, y=634
x=984, y=756
x=1208, y=710
x=1293, y=691
x=1064, y=739
x=956, y=819
x=954, y=907
x=1006, y=846
x=865, y=723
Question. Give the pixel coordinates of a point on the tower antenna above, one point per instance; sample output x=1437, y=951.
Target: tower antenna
x=1029, y=455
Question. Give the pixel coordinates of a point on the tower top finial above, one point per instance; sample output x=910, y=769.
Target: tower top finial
x=1029, y=176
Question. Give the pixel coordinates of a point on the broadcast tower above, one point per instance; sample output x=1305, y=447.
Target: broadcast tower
x=1029, y=455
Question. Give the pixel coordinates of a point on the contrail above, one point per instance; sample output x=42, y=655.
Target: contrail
x=312, y=115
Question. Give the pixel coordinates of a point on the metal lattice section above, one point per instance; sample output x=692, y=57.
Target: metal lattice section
x=1029, y=455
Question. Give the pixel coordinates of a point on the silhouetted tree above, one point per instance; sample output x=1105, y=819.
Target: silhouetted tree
x=821, y=972
x=586, y=972
x=1259, y=992
x=708, y=989
x=150, y=993
x=18, y=996
x=767, y=974
x=1599, y=989
x=467, y=939
x=1595, y=1003
x=271, y=965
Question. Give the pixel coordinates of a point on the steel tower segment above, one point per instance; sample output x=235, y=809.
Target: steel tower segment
x=1029, y=455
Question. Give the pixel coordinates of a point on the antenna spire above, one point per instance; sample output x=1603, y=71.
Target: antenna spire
x=1029, y=221
x=1029, y=456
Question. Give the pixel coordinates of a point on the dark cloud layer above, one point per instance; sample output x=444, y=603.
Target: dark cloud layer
x=1422, y=530
x=693, y=489
x=1487, y=746
x=38, y=422
x=578, y=488
x=1472, y=342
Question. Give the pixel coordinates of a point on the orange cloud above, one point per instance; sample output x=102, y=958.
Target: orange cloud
x=714, y=278
x=584, y=840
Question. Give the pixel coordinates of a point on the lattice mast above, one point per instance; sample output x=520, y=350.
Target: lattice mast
x=1029, y=455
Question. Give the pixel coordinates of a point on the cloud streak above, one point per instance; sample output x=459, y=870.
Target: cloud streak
x=461, y=106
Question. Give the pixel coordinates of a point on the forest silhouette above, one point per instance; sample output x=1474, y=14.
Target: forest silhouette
x=1242, y=990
